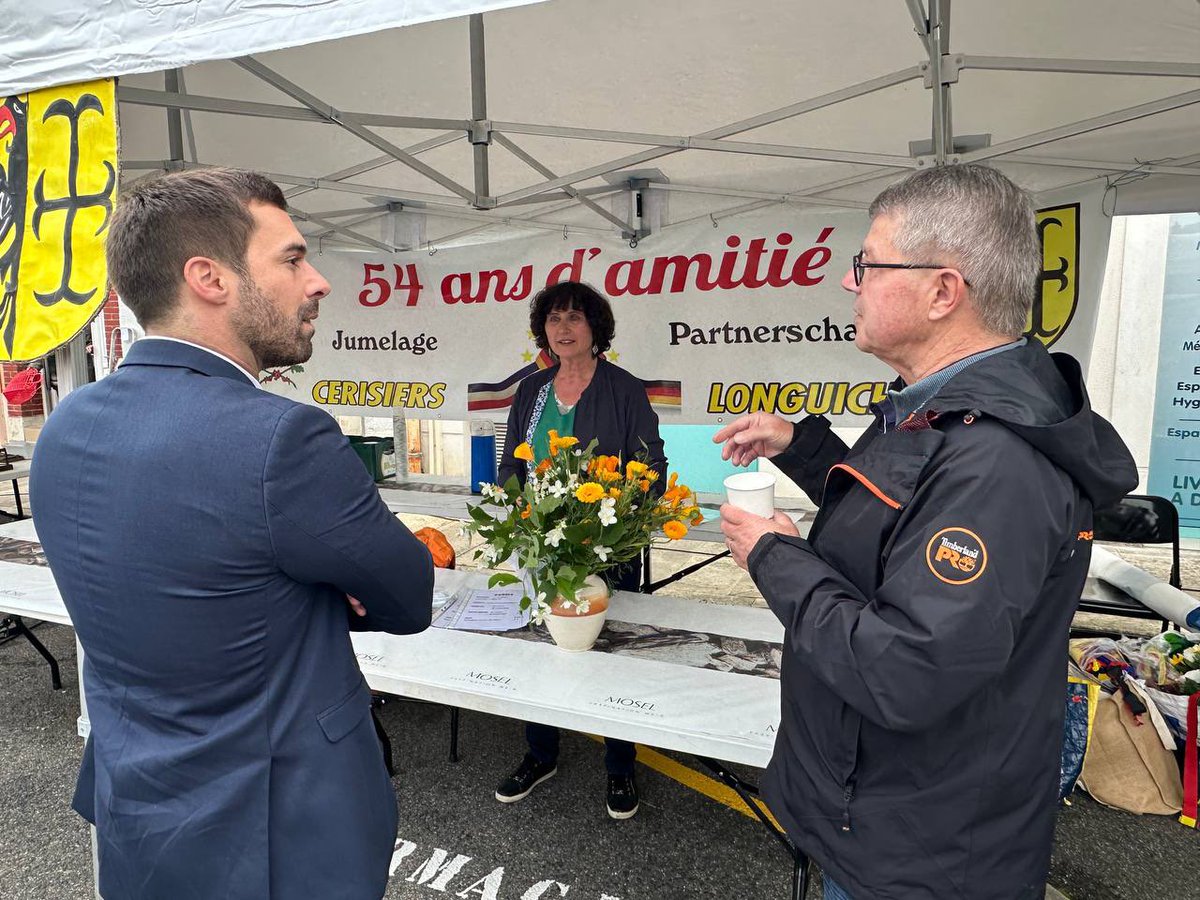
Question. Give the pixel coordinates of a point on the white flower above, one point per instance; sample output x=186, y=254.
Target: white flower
x=1193, y=675
x=573, y=481
x=1192, y=654
x=554, y=536
x=493, y=492
x=539, y=609
x=488, y=554
x=602, y=552
x=558, y=489
x=608, y=511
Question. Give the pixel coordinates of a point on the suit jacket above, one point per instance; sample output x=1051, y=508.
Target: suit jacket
x=204, y=535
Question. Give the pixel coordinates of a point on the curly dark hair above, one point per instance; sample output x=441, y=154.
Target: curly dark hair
x=573, y=295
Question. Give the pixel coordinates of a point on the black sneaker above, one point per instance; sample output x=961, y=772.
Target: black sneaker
x=622, y=797
x=520, y=783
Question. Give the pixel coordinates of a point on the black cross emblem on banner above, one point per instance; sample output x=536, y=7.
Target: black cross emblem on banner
x=1037, y=328
x=74, y=201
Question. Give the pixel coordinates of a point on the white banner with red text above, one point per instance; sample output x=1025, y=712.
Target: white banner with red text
x=717, y=318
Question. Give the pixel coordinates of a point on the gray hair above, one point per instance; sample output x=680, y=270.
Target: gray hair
x=976, y=219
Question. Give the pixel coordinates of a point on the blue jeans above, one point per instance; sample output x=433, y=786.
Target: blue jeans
x=833, y=890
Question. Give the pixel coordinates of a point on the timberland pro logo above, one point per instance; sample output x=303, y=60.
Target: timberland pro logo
x=1058, y=283
x=956, y=556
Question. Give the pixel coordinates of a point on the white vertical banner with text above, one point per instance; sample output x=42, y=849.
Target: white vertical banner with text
x=744, y=315
x=1174, y=442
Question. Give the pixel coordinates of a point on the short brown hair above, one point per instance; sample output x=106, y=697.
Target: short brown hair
x=574, y=295
x=163, y=222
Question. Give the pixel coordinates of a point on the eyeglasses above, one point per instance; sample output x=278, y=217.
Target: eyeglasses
x=859, y=266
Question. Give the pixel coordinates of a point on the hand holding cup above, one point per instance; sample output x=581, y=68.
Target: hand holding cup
x=743, y=529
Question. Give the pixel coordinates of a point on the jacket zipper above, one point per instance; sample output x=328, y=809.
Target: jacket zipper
x=847, y=796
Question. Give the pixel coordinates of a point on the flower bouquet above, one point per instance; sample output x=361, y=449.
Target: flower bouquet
x=578, y=514
x=1185, y=660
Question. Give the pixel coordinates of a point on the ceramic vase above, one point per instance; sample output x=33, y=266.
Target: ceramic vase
x=572, y=630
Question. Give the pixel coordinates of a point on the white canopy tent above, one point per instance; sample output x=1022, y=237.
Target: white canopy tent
x=701, y=107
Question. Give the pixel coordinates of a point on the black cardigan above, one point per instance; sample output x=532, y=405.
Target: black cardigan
x=614, y=409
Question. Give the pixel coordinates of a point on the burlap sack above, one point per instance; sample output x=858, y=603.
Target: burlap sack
x=1126, y=765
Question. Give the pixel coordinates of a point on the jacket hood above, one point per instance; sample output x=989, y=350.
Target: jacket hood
x=1041, y=397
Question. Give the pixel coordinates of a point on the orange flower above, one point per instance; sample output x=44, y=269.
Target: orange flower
x=634, y=468
x=676, y=494
x=674, y=530
x=607, y=476
x=651, y=476
x=561, y=443
x=644, y=484
x=589, y=492
x=524, y=451
x=526, y=511
x=697, y=516
x=615, y=493
x=543, y=466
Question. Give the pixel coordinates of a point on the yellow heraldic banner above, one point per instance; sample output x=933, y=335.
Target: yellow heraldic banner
x=58, y=184
x=1058, y=285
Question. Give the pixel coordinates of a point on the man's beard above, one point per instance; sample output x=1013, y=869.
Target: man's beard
x=274, y=339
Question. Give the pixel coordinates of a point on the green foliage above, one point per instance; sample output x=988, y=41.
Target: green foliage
x=578, y=514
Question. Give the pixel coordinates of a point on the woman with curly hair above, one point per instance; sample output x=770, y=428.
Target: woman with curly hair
x=585, y=396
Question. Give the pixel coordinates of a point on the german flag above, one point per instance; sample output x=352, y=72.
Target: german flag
x=666, y=394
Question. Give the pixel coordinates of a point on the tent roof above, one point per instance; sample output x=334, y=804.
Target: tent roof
x=828, y=99
x=69, y=41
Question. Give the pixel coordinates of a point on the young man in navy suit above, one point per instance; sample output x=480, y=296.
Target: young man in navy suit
x=215, y=544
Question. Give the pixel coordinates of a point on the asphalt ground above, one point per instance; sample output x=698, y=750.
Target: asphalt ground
x=682, y=845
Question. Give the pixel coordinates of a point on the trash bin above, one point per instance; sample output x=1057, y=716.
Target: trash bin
x=377, y=453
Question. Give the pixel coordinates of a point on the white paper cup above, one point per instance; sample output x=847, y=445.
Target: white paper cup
x=752, y=491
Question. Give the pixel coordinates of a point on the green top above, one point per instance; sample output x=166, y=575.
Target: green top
x=551, y=419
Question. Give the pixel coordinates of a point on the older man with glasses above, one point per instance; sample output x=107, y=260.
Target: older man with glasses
x=926, y=613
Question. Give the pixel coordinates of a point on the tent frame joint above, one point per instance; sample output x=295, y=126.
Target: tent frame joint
x=479, y=132
x=932, y=160
x=952, y=65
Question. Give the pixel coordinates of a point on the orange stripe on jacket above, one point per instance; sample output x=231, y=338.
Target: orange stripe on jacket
x=865, y=482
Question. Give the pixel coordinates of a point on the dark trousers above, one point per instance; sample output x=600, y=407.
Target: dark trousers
x=543, y=745
x=618, y=755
